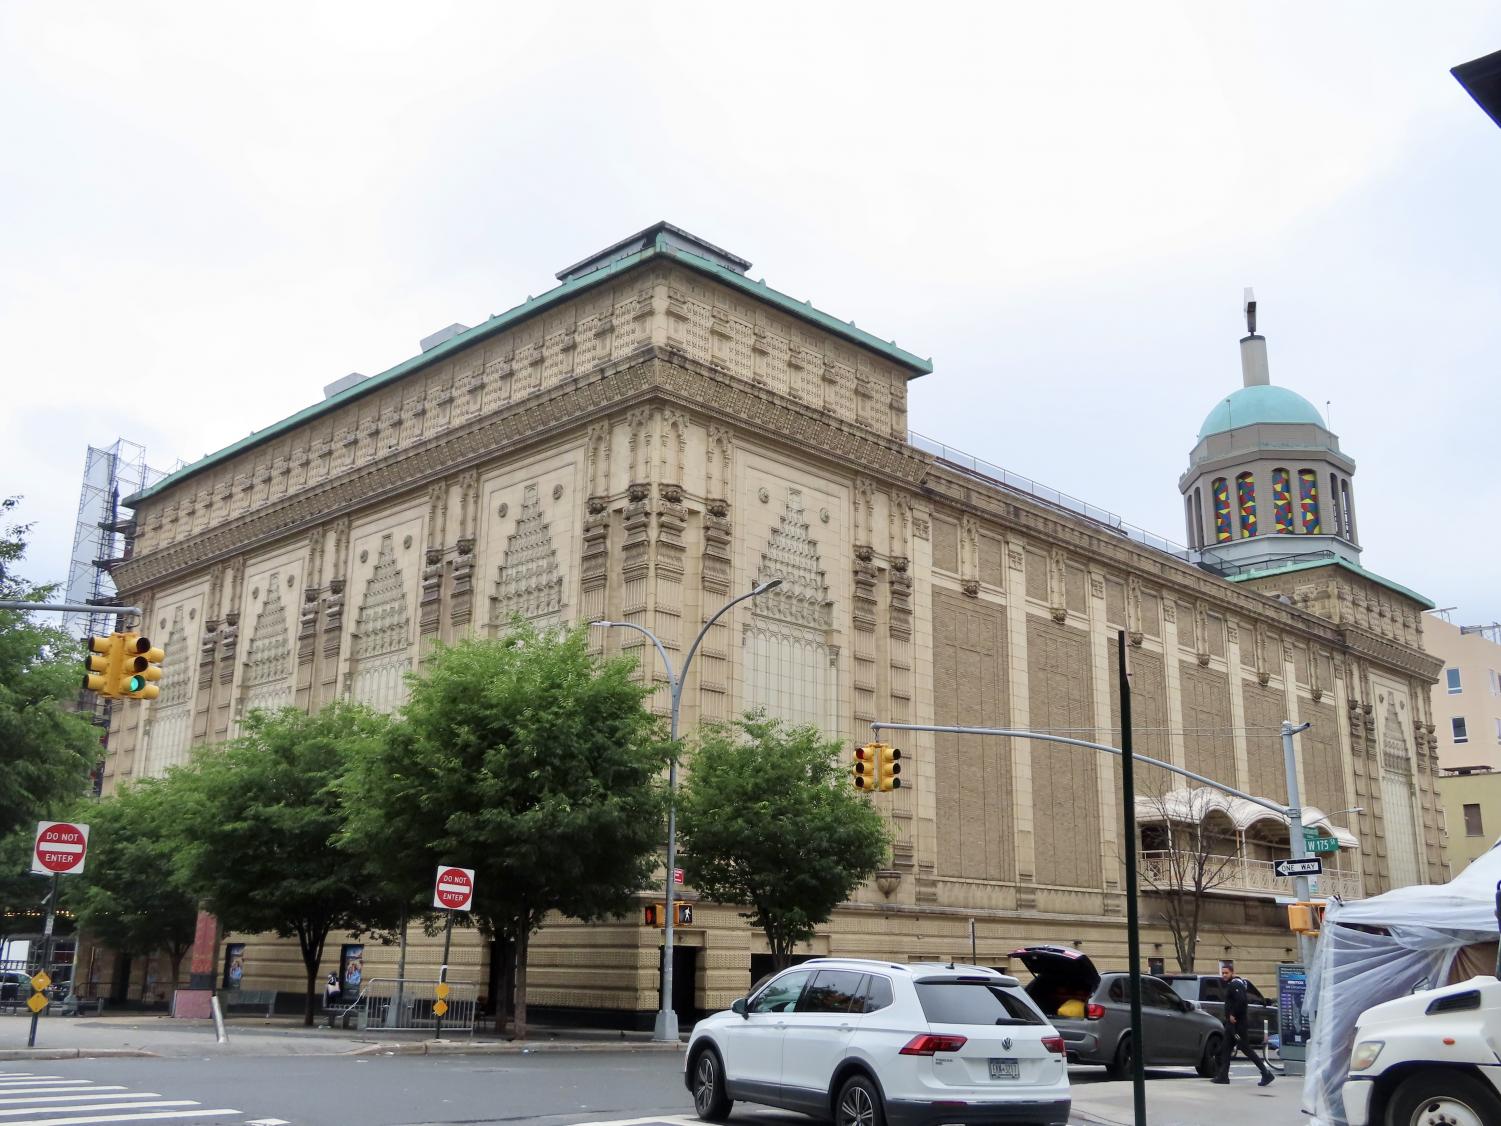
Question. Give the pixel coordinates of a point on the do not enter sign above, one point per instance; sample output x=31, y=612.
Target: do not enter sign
x=60, y=848
x=454, y=889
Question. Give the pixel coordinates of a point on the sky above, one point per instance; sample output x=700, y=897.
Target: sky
x=209, y=212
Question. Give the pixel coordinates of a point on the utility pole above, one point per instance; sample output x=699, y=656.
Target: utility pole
x=1295, y=826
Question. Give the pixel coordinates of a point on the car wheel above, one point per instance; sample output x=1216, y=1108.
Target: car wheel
x=1120, y=1067
x=859, y=1104
x=1442, y=1098
x=710, y=1101
x=1209, y=1064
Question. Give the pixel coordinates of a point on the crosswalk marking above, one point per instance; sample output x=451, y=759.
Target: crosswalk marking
x=51, y=1100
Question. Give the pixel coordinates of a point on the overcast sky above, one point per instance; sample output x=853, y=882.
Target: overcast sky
x=210, y=211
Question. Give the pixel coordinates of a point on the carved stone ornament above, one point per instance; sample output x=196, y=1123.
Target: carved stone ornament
x=864, y=553
x=638, y=491
x=406, y=543
x=192, y=614
x=557, y=492
x=1060, y=614
x=502, y=510
x=888, y=880
x=291, y=581
x=971, y=587
x=596, y=505
x=364, y=556
x=255, y=593
x=1136, y=637
x=465, y=545
x=900, y=564
x=718, y=508
x=672, y=494
x=1204, y=660
x=920, y=528
x=763, y=495
x=823, y=515
x=434, y=556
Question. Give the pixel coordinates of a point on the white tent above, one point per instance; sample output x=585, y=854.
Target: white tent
x=1372, y=950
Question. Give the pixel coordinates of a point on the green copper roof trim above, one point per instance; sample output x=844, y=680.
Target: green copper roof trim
x=530, y=308
x=1353, y=567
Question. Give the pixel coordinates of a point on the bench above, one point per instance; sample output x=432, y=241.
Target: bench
x=248, y=998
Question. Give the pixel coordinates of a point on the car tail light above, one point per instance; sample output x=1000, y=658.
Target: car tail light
x=1053, y=1044
x=926, y=1044
x=1094, y=1012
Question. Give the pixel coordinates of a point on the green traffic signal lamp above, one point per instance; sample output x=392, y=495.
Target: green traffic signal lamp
x=142, y=668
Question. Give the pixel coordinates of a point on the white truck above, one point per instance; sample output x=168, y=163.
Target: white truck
x=1430, y=1059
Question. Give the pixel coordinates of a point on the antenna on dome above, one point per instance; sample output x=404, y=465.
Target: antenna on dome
x=1253, y=365
x=1250, y=307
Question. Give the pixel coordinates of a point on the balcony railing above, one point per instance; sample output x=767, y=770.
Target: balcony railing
x=1241, y=875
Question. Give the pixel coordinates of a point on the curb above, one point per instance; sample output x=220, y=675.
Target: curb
x=75, y=1053
x=459, y=1048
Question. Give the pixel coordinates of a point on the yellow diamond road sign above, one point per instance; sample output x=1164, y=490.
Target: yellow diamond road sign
x=438, y=1009
x=40, y=980
x=36, y=1002
x=441, y=989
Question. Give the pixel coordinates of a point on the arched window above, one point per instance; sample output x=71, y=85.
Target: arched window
x=1223, y=528
x=1198, y=517
x=1282, y=503
x=1308, y=501
x=1245, y=499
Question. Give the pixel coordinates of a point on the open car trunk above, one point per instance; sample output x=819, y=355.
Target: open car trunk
x=1063, y=979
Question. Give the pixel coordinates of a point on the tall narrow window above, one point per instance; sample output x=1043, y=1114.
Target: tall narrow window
x=1346, y=517
x=1334, y=525
x=1198, y=517
x=1282, y=503
x=1245, y=500
x=1460, y=730
x=1308, y=501
x=1474, y=826
x=1451, y=678
x=1223, y=528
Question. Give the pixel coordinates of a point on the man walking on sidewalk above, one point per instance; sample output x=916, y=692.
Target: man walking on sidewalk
x=1236, y=1031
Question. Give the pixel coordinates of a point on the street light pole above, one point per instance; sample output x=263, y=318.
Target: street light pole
x=1295, y=824
x=666, y=1027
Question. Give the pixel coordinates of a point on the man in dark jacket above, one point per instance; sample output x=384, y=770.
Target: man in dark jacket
x=1236, y=1030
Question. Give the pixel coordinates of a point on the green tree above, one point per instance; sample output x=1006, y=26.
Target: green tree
x=21, y=892
x=258, y=819
x=538, y=766
x=129, y=896
x=46, y=747
x=767, y=821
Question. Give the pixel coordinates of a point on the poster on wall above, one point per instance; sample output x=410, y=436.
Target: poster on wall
x=234, y=964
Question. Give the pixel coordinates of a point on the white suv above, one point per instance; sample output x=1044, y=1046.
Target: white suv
x=868, y=1043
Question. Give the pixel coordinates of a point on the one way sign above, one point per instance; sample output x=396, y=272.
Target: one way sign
x=1310, y=867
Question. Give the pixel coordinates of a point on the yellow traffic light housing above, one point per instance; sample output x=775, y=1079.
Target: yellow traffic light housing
x=867, y=765
x=1305, y=918
x=682, y=913
x=99, y=666
x=890, y=766
x=142, y=668
x=653, y=915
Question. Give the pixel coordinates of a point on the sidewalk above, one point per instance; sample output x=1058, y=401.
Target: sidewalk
x=158, y=1035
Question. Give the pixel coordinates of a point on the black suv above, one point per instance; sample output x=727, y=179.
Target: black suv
x=1208, y=992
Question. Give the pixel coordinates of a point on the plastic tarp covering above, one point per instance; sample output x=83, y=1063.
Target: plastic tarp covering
x=1411, y=936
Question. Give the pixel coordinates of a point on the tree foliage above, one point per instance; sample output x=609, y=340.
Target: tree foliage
x=538, y=766
x=766, y=821
x=129, y=895
x=46, y=748
x=258, y=821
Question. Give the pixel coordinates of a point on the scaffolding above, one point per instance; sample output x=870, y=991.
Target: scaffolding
x=99, y=541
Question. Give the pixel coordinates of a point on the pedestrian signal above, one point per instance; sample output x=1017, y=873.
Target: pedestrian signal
x=682, y=913
x=867, y=765
x=99, y=673
x=890, y=767
x=1305, y=918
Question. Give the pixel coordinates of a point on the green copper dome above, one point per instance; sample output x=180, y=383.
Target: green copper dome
x=1265, y=403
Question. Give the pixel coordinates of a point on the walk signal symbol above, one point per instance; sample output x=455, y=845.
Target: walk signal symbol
x=655, y=914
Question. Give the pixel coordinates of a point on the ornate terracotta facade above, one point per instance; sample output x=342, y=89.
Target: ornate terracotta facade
x=659, y=436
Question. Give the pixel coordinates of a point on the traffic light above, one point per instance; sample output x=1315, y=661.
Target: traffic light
x=653, y=915
x=99, y=666
x=867, y=765
x=889, y=767
x=682, y=913
x=1305, y=918
x=142, y=668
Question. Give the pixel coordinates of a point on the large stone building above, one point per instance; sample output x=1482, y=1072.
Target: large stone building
x=658, y=432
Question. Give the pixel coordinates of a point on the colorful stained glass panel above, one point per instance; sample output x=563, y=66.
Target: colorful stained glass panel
x=1282, y=502
x=1245, y=499
x=1308, y=501
x=1223, y=530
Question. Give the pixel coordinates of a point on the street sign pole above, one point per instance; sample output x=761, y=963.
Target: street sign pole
x=1295, y=825
x=46, y=953
x=443, y=980
x=1133, y=934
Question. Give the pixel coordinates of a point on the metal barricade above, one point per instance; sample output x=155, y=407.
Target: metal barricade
x=404, y=1005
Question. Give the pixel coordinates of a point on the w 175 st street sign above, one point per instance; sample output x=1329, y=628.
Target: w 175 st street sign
x=60, y=848
x=1310, y=867
x=454, y=888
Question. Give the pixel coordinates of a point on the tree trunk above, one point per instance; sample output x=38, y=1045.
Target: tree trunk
x=523, y=936
x=312, y=955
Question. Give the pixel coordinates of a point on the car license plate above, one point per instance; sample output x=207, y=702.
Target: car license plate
x=1005, y=1069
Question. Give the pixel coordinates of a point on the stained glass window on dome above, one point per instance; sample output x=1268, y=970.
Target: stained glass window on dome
x=1308, y=500
x=1282, y=502
x=1245, y=499
x=1223, y=529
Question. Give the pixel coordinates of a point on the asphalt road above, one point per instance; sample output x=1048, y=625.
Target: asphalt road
x=536, y=1089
